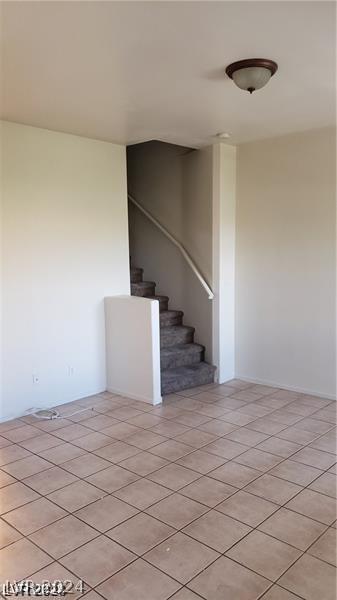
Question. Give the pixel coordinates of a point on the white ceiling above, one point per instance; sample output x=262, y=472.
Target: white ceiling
x=134, y=71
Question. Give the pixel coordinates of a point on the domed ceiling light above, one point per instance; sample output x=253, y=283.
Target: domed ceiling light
x=251, y=74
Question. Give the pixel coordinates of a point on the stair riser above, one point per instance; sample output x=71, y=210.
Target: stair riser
x=143, y=291
x=173, y=338
x=194, y=381
x=182, y=359
x=136, y=277
x=167, y=321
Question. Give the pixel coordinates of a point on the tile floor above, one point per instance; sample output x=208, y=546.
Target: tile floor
x=222, y=493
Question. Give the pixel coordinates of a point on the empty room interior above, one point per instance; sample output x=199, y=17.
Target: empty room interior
x=168, y=300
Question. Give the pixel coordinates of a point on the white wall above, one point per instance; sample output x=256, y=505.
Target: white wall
x=65, y=247
x=133, y=348
x=175, y=185
x=285, y=262
x=224, y=215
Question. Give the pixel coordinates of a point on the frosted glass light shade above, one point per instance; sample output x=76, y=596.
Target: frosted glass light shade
x=251, y=78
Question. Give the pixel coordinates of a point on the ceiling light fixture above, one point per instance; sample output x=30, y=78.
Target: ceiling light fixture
x=251, y=74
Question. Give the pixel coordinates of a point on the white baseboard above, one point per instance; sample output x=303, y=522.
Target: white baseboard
x=153, y=401
x=282, y=386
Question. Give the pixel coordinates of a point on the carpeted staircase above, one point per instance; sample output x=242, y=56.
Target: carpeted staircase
x=181, y=360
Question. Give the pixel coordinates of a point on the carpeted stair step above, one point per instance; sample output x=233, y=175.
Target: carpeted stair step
x=163, y=302
x=136, y=275
x=171, y=317
x=143, y=288
x=181, y=355
x=176, y=334
x=181, y=378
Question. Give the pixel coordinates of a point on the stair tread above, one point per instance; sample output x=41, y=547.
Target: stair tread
x=173, y=312
x=158, y=297
x=143, y=284
x=180, y=378
x=177, y=328
x=179, y=348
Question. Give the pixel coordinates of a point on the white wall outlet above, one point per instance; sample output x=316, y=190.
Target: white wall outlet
x=71, y=371
x=36, y=378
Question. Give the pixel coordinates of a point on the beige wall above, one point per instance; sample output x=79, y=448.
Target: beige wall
x=65, y=247
x=285, y=262
x=175, y=185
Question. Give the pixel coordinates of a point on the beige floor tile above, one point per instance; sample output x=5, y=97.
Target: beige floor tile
x=266, y=425
x=20, y=559
x=327, y=443
x=326, y=547
x=311, y=578
x=217, y=427
x=140, y=533
x=113, y=478
x=117, y=451
x=315, y=506
x=139, y=580
x=20, y=434
x=8, y=425
x=106, y=513
x=174, y=476
x=5, y=479
x=273, y=489
x=190, y=419
x=63, y=536
x=247, y=508
x=76, y=495
x=170, y=428
x=4, y=442
x=51, y=425
x=121, y=431
x=292, y=528
x=201, y=461
x=11, y=454
x=142, y=493
x=92, y=441
x=143, y=463
x=41, y=442
x=171, y=557
x=264, y=555
x=238, y=418
x=225, y=448
x=56, y=572
x=171, y=450
x=262, y=461
x=282, y=448
x=217, y=531
x=27, y=466
x=246, y=436
x=296, y=472
x=50, y=480
x=284, y=417
x=97, y=560
x=99, y=422
x=278, y=593
x=185, y=594
x=15, y=495
x=62, y=453
x=34, y=515
x=85, y=465
x=314, y=458
x=196, y=438
x=235, y=474
x=314, y=425
x=177, y=511
x=326, y=484
x=226, y=579
x=8, y=534
x=145, y=421
x=146, y=439
x=208, y=491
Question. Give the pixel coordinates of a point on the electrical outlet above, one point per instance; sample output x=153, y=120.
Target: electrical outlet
x=71, y=371
x=36, y=378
